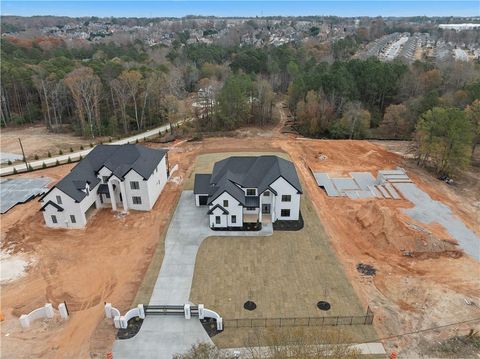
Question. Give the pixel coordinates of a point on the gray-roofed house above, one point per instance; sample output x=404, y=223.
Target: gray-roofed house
x=240, y=190
x=121, y=177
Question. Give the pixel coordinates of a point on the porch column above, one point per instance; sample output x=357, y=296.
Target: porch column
x=112, y=196
x=124, y=196
x=260, y=214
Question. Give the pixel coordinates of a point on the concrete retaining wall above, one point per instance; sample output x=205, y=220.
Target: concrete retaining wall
x=43, y=312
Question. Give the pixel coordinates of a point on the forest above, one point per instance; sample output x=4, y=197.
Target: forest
x=98, y=89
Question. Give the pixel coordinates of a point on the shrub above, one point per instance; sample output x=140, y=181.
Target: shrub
x=136, y=141
x=14, y=171
x=109, y=139
x=9, y=162
x=60, y=152
x=91, y=144
x=57, y=163
x=44, y=165
x=30, y=168
x=71, y=149
x=36, y=157
x=49, y=154
x=69, y=160
x=81, y=147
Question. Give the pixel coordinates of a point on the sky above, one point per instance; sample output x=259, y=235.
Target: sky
x=241, y=8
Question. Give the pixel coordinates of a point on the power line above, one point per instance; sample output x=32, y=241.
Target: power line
x=423, y=330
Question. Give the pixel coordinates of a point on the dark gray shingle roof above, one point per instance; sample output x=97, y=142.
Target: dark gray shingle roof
x=119, y=159
x=250, y=172
x=202, y=184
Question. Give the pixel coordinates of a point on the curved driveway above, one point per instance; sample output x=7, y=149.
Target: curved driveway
x=162, y=336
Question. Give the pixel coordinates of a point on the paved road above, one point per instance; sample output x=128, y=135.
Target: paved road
x=75, y=156
x=162, y=336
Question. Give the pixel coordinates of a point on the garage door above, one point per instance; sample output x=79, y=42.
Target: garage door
x=203, y=200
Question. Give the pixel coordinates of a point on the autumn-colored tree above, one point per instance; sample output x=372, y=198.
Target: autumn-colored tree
x=395, y=123
x=85, y=88
x=355, y=120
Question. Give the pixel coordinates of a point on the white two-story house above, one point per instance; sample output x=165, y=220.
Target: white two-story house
x=243, y=190
x=121, y=177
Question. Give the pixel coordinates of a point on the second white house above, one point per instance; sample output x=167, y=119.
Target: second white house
x=121, y=177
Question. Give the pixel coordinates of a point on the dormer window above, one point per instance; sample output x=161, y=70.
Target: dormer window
x=266, y=193
x=251, y=191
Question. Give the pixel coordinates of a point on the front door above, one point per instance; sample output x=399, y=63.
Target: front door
x=266, y=208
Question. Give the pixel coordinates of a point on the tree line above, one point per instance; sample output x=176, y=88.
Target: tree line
x=110, y=88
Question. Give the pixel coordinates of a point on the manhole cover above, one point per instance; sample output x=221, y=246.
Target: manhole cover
x=249, y=305
x=322, y=305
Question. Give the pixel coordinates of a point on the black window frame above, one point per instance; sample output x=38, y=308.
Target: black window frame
x=134, y=185
x=286, y=198
x=266, y=193
x=73, y=219
x=251, y=189
x=233, y=218
x=225, y=203
x=218, y=220
x=59, y=199
x=136, y=200
x=54, y=219
x=285, y=215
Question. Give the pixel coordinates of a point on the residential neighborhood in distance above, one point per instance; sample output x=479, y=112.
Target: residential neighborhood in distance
x=239, y=179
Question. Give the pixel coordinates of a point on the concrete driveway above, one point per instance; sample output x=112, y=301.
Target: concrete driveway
x=162, y=336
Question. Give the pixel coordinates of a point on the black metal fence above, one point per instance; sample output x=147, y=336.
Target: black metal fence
x=366, y=319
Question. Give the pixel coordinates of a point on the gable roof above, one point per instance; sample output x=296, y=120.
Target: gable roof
x=119, y=159
x=51, y=203
x=211, y=210
x=250, y=172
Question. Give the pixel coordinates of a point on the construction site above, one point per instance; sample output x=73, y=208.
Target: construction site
x=380, y=233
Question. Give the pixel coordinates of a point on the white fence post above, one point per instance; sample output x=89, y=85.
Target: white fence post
x=62, y=308
x=201, y=312
x=186, y=310
x=24, y=321
x=108, y=310
x=141, y=311
x=49, y=310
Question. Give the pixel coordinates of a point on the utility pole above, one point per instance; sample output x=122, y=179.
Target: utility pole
x=23, y=154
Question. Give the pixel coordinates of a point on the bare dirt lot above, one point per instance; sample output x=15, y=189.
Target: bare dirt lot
x=108, y=260
x=37, y=140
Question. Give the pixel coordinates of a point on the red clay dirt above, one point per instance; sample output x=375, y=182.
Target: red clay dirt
x=107, y=260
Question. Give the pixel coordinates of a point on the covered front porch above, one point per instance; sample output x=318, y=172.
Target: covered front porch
x=255, y=215
x=113, y=193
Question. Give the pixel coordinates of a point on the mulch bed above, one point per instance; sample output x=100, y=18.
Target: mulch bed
x=245, y=228
x=322, y=305
x=249, y=305
x=289, y=225
x=210, y=326
x=132, y=329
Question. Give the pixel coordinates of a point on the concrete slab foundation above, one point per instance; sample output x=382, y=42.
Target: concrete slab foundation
x=20, y=190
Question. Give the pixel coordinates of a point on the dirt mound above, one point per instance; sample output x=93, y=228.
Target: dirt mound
x=388, y=231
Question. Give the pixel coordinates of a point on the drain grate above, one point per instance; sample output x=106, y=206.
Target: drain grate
x=249, y=305
x=322, y=305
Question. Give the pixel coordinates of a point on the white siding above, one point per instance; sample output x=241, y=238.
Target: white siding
x=234, y=208
x=141, y=192
x=223, y=219
x=157, y=181
x=70, y=207
x=282, y=187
